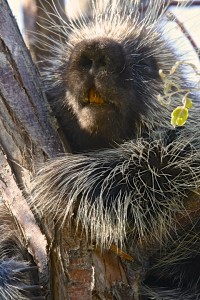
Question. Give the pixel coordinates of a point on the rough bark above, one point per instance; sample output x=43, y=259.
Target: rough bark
x=27, y=133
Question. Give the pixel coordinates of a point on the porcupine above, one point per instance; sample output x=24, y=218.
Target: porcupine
x=103, y=86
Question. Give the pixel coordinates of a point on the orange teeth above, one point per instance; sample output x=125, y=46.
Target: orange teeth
x=94, y=97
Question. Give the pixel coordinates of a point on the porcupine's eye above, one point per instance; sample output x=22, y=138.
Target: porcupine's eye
x=85, y=62
x=149, y=68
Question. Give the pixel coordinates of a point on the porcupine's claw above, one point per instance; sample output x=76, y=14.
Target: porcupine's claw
x=29, y=288
x=26, y=269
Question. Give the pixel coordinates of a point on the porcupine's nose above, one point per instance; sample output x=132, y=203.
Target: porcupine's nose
x=100, y=55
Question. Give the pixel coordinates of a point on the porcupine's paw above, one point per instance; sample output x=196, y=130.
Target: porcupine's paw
x=18, y=274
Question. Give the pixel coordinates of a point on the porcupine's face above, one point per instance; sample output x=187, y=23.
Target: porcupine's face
x=105, y=78
x=108, y=86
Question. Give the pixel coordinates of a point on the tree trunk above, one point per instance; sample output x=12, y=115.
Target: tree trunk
x=24, y=120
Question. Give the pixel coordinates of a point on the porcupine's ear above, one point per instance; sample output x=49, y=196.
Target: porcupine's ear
x=18, y=275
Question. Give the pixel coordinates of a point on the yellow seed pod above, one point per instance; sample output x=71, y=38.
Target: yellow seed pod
x=179, y=116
